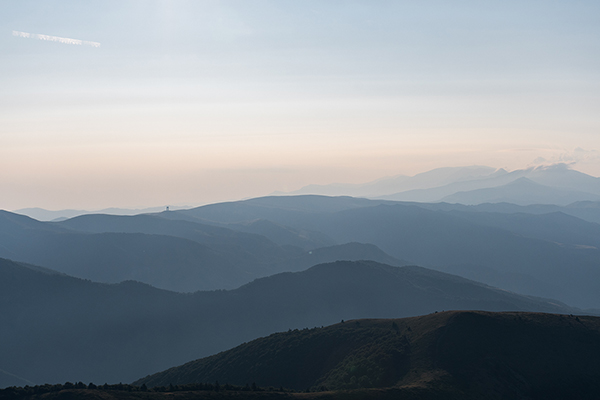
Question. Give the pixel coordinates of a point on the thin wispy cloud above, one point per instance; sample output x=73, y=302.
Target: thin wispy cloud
x=58, y=39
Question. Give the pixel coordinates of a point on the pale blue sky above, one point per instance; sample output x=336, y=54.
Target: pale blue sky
x=199, y=101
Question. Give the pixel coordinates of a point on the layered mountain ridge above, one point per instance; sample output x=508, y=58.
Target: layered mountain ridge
x=529, y=250
x=68, y=329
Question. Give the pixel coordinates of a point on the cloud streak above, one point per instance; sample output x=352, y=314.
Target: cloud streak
x=576, y=156
x=58, y=39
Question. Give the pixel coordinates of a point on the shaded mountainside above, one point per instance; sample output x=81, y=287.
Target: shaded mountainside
x=285, y=210
x=163, y=261
x=543, y=255
x=291, y=211
x=257, y=236
x=478, y=354
x=555, y=227
x=445, y=241
x=175, y=255
x=548, y=222
x=223, y=259
x=586, y=210
x=284, y=235
x=217, y=238
x=345, y=252
x=67, y=329
x=549, y=255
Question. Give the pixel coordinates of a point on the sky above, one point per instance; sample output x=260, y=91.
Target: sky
x=139, y=103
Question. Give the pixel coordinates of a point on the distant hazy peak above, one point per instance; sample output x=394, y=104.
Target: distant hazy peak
x=42, y=214
x=399, y=183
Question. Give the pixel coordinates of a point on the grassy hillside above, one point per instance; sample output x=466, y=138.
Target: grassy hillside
x=446, y=355
x=478, y=354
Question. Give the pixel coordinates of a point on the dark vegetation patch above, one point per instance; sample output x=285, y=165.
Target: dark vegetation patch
x=473, y=353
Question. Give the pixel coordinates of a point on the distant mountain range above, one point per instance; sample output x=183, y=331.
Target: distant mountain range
x=544, y=254
x=67, y=329
x=386, y=186
x=537, y=250
x=555, y=184
x=467, y=355
x=522, y=191
x=171, y=254
x=585, y=210
x=48, y=215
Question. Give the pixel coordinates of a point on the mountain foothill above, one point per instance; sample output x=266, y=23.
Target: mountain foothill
x=254, y=291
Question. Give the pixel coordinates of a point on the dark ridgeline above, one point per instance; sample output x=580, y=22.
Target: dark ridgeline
x=470, y=354
x=67, y=329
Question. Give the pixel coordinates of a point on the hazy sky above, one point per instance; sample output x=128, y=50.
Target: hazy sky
x=188, y=102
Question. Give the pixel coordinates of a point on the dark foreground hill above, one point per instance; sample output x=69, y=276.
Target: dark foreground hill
x=58, y=328
x=475, y=354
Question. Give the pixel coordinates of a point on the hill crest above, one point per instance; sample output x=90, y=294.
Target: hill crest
x=467, y=352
